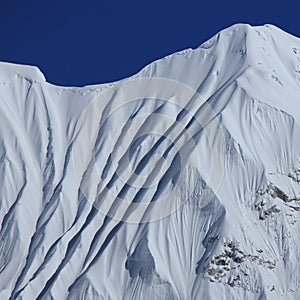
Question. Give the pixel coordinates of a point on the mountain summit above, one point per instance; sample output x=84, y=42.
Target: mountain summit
x=181, y=182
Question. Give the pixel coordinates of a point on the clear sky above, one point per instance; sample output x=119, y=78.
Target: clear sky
x=84, y=42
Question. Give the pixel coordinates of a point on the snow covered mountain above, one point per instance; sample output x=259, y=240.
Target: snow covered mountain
x=181, y=182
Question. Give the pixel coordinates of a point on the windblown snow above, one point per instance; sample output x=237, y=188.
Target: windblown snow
x=181, y=182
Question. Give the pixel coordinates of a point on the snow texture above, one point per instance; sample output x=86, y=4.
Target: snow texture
x=181, y=182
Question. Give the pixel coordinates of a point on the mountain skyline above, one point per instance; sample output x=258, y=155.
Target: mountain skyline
x=78, y=43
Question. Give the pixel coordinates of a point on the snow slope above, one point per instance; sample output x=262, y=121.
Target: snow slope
x=181, y=182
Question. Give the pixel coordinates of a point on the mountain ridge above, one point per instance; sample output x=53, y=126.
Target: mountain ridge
x=20, y=69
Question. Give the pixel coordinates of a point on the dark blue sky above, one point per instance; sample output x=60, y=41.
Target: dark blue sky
x=94, y=41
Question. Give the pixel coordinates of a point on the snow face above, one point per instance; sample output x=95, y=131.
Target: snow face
x=181, y=182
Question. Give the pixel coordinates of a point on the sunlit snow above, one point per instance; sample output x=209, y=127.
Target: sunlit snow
x=181, y=182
